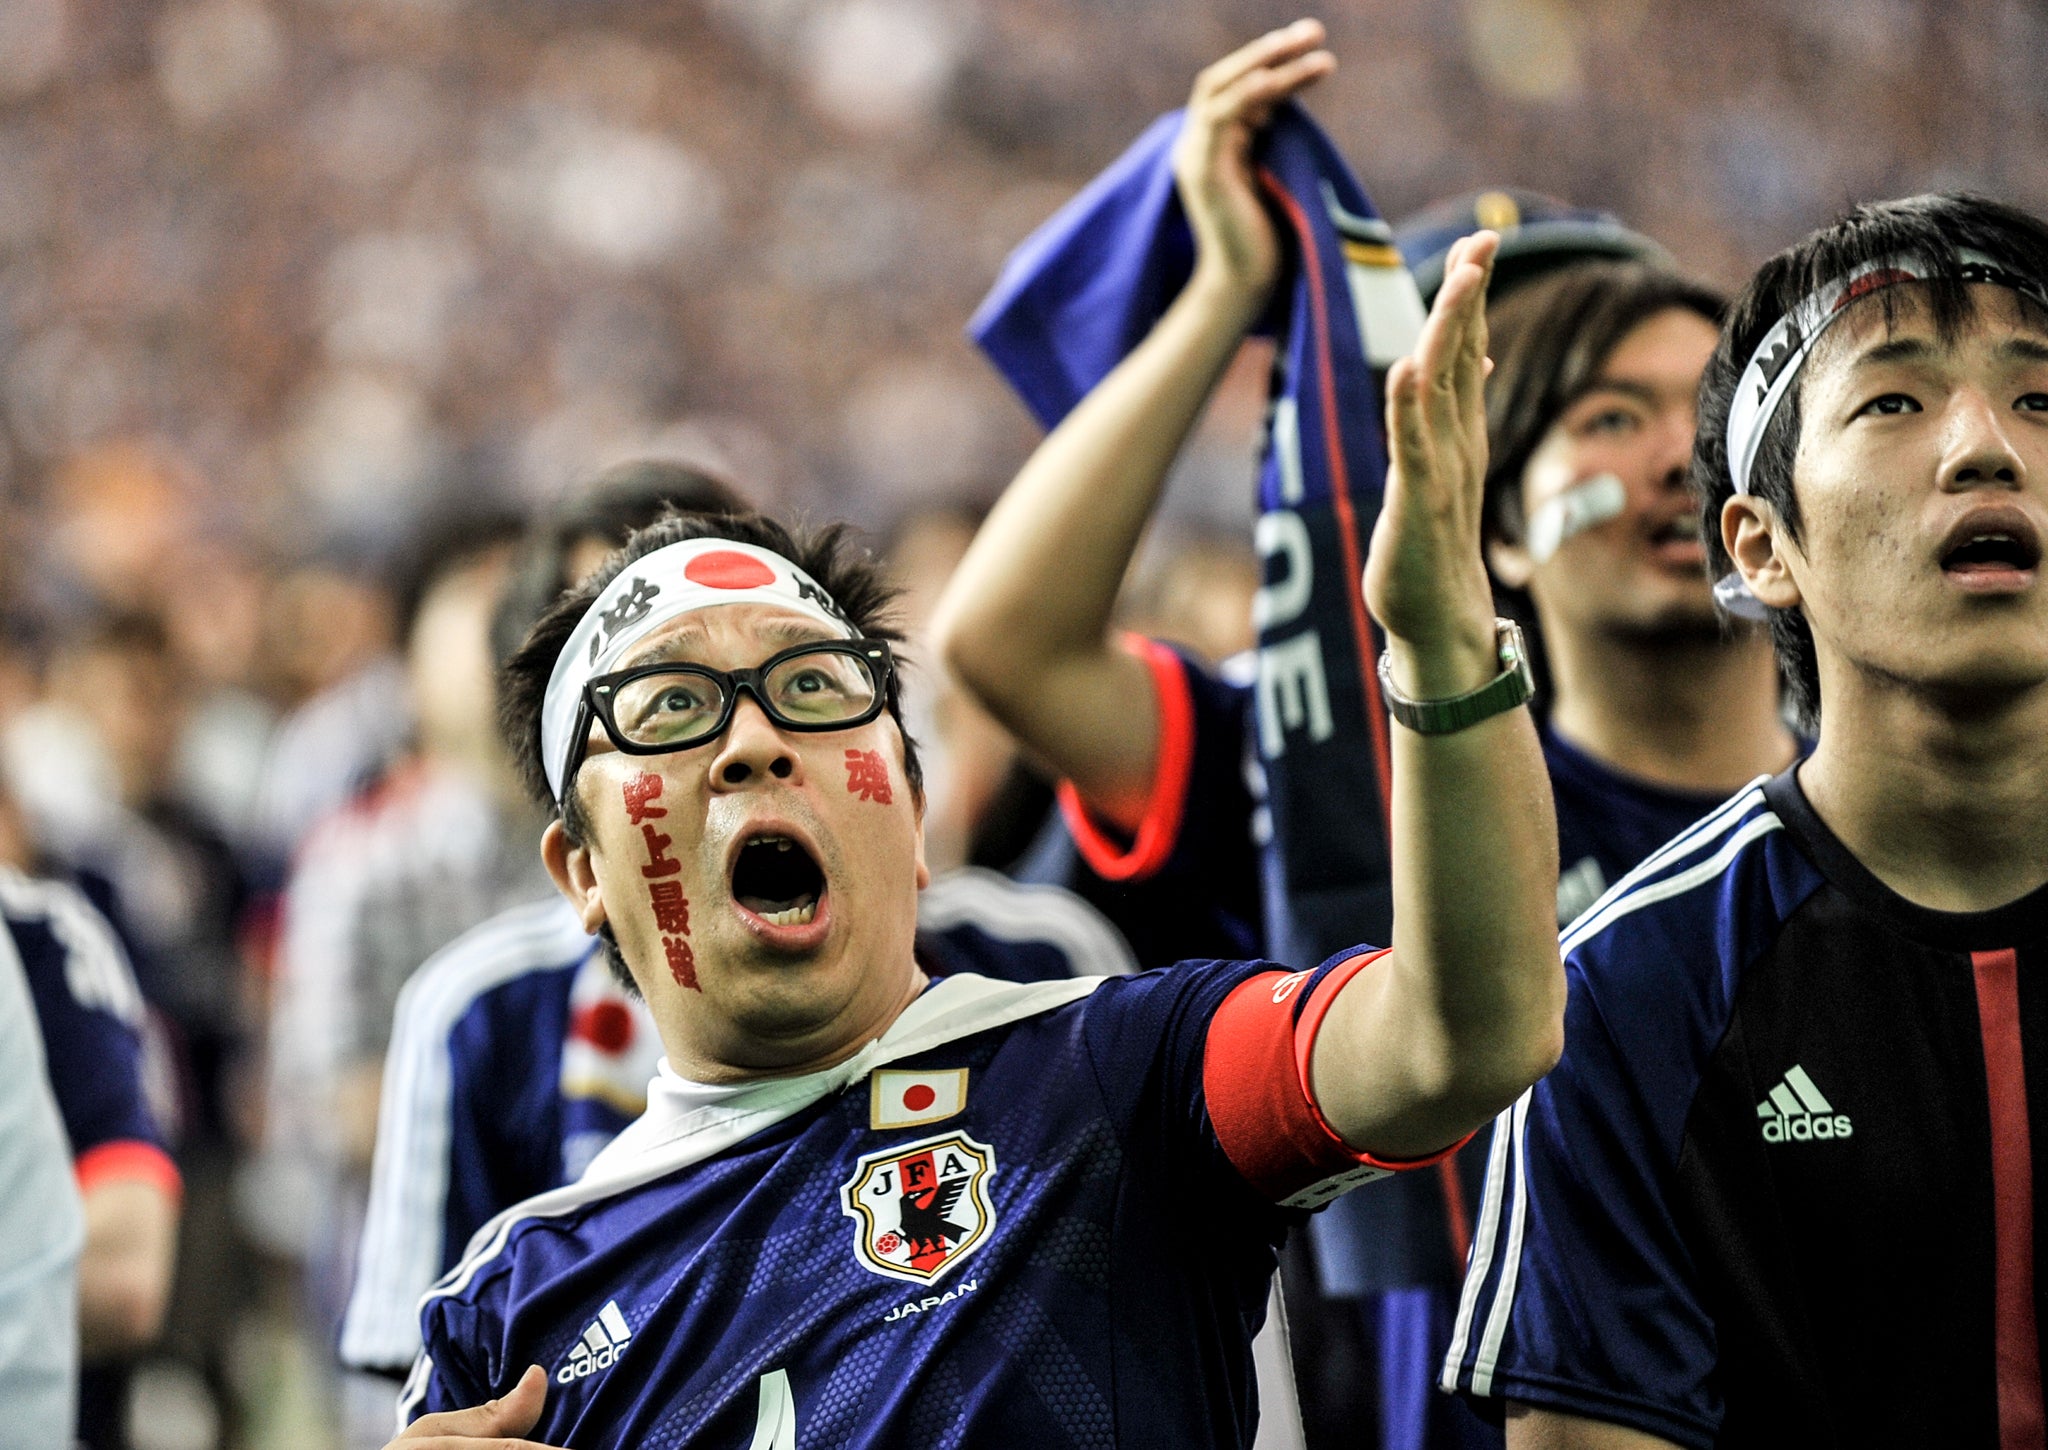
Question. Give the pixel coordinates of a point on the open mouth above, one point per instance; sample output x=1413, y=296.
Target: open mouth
x=1992, y=552
x=775, y=878
x=1685, y=529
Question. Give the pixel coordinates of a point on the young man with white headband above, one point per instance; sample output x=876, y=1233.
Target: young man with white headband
x=866, y=1210
x=1781, y=1189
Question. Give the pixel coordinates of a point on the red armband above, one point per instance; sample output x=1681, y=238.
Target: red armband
x=1166, y=801
x=1255, y=1076
x=128, y=1158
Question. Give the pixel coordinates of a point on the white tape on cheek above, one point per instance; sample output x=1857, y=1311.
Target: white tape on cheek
x=1581, y=507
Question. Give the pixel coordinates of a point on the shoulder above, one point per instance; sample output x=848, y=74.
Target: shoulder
x=1000, y=917
x=61, y=936
x=1709, y=898
x=544, y=936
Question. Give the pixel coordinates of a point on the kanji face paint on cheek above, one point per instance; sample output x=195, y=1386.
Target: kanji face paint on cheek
x=867, y=776
x=671, y=907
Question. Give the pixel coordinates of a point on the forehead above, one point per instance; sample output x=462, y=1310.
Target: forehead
x=726, y=636
x=1677, y=339
x=1905, y=312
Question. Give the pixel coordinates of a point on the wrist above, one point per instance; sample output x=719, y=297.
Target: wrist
x=1226, y=293
x=1447, y=664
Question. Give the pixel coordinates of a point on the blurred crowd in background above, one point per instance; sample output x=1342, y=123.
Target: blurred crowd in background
x=295, y=294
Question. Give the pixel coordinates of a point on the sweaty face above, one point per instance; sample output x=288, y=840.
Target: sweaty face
x=1642, y=572
x=1922, y=480
x=762, y=885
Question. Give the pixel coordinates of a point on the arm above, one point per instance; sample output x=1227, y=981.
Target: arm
x=124, y=1275
x=1025, y=622
x=1533, y=1429
x=1467, y=1009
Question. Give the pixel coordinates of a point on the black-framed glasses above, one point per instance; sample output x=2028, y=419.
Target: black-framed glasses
x=654, y=709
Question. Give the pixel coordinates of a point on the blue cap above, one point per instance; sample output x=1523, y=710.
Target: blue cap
x=1538, y=234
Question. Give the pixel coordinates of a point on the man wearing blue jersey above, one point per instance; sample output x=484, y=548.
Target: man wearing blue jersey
x=865, y=1209
x=1655, y=711
x=1781, y=1191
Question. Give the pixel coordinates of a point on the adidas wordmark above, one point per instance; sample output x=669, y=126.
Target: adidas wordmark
x=599, y=1348
x=1797, y=1112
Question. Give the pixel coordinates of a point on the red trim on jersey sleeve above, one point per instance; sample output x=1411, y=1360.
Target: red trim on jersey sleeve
x=128, y=1158
x=1166, y=801
x=1255, y=1076
x=2020, y=1416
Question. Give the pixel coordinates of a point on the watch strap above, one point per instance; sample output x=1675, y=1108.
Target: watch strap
x=1514, y=685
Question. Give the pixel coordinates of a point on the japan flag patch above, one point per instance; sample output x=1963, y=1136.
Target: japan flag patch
x=920, y=1208
x=907, y=1099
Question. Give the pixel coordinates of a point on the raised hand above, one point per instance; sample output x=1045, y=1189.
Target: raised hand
x=1425, y=578
x=1235, y=242
x=483, y=1427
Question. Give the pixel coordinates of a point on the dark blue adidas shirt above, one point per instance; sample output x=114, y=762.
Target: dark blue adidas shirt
x=516, y=1057
x=1781, y=1189
x=1029, y=1214
x=91, y=1014
x=1185, y=885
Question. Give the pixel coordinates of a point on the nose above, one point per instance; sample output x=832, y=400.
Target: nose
x=1978, y=451
x=752, y=750
x=1674, y=448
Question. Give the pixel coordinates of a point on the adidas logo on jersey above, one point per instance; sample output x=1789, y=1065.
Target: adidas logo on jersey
x=600, y=1347
x=1797, y=1112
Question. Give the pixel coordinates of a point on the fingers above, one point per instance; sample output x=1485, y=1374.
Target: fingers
x=1275, y=47
x=514, y=1414
x=1252, y=97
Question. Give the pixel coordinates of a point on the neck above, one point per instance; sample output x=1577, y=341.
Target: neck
x=1692, y=712
x=760, y=1057
x=1944, y=800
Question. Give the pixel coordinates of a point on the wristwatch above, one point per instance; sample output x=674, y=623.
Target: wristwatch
x=1514, y=685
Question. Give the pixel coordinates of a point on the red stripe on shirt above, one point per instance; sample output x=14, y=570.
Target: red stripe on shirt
x=1255, y=1079
x=1166, y=802
x=1340, y=489
x=2020, y=1420
x=128, y=1158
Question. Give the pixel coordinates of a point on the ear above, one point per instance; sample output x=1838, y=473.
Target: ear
x=1510, y=563
x=1762, y=550
x=573, y=874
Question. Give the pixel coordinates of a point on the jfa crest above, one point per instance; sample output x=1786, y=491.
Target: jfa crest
x=920, y=1208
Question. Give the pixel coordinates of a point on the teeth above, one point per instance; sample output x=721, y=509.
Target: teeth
x=1686, y=526
x=795, y=916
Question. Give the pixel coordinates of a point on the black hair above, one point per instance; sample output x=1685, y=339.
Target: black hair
x=445, y=544
x=1549, y=340
x=1934, y=229
x=610, y=507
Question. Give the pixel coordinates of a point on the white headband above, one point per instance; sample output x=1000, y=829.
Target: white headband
x=1778, y=358
x=650, y=591
x=1784, y=349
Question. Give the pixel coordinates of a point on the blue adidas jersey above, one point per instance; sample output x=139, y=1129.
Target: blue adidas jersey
x=516, y=1056
x=92, y=1017
x=1028, y=1214
x=1185, y=885
x=1780, y=1189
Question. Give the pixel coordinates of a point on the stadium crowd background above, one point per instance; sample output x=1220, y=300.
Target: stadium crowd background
x=289, y=290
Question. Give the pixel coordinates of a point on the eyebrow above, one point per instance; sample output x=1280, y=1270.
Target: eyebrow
x=675, y=648
x=2025, y=349
x=1628, y=387
x=1895, y=350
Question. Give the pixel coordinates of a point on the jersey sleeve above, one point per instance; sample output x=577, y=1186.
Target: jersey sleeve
x=1185, y=884
x=92, y=1018
x=1579, y=1294
x=1210, y=1061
